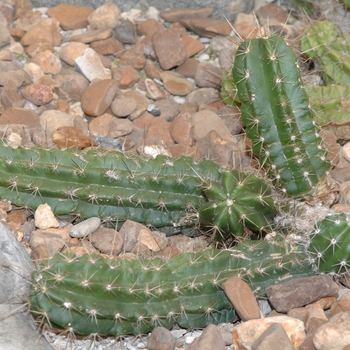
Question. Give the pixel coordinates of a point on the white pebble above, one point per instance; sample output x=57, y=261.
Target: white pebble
x=180, y=100
x=85, y=227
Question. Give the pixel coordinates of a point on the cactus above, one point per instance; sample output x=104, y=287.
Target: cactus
x=329, y=246
x=323, y=43
x=275, y=111
x=162, y=192
x=93, y=294
x=228, y=92
x=331, y=103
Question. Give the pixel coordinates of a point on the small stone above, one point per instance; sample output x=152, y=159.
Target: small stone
x=246, y=25
x=38, y=94
x=144, y=121
x=155, y=241
x=18, y=217
x=51, y=120
x=231, y=115
x=130, y=230
x=152, y=69
x=107, y=240
x=148, y=27
x=169, y=109
x=142, y=103
x=109, y=46
x=123, y=106
x=193, y=46
x=92, y=35
x=203, y=95
x=140, y=249
x=99, y=126
x=48, y=244
x=188, y=68
x=242, y=298
x=299, y=292
x=47, y=30
x=169, y=48
x=71, y=137
x=20, y=116
x=301, y=313
x=334, y=334
x=72, y=50
x=153, y=91
x=98, y=97
x=71, y=84
x=313, y=325
x=6, y=54
x=119, y=127
x=85, y=227
x=208, y=75
x=208, y=340
x=41, y=46
x=177, y=14
x=28, y=20
x=159, y=133
x=5, y=36
x=90, y=65
x=105, y=16
x=208, y=27
x=274, y=334
x=125, y=32
x=181, y=129
x=326, y=302
x=246, y=333
x=176, y=84
x=134, y=57
x=126, y=76
x=271, y=14
x=47, y=61
x=340, y=306
x=161, y=339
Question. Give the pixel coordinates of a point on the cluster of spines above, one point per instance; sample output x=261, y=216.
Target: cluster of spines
x=93, y=294
x=275, y=110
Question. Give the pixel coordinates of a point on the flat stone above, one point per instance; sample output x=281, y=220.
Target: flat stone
x=98, y=97
x=144, y=121
x=44, y=217
x=134, y=57
x=142, y=103
x=193, y=46
x=313, y=325
x=109, y=46
x=72, y=50
x=169, y=109
x=21, y=116
x=130, y=230
x=92, y=35
x=71, y=83
x=245, y=25
x=152, y=69
x=85, y=227
x=208, y=75
x=159, y=132
x=123, y=106
x=188, y=68
x=38, y=47
x=47, y=61
x=175, y=15
x=148, y=27
x=51, y=120
x=242, y=298
x=202, y=95
x=169, y=48
x=47, y=30
x=153, y=91
x=208, y=340
x=299, y=292
x=176, y=84
x=181, y=129
x=52, y=242
x=107, y=240
x=155, y=241
x=38, y=94
x=161, y=339
x=105, y=16
x=99, y=126
x=274, y=334
x=246, y=333
x=334, y=334
x=120, y=127
x=5, y=36
x=126, y=75
x=90, y=65
x=71, y=137
x=208, y=27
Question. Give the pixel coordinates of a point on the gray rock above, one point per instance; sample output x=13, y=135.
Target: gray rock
x=161, y=339
x=85, y=227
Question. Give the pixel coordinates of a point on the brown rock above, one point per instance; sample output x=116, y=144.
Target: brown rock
x=5, y=36
x=140, y=249
x=274, y=334
x=178, y=150
x=159, y=132
x=71, y=83
x=155, y=241
x=52, y=242
x=231, y=115
x=107, y=240
x=126, y=76
x=188, y=68
x=148, y=27
x=99, y=126
x=153, y=91
x=175, y=15
x=271, y=14
x=105, y=16
x=40, y=46
x=142, y=103
x=22, y=7
x=152, y=69
x=203, y=95
x=72, y=50
x=6, y=54
x=168, y=108
x=144, y=121
x=299, y=292
x=301, y=313
x=340, y=306
x=176, y=84
x=125, y=32
x=208, y=27
x=69, y=16
x=71, y=137
x=130, y=230
x=119, y=127
x=208, y=75
x=17, y=217
x=13, y=73
x=242, y=298
x=123, y=106
x=109, y=46
x=181, y=129
x=313, y=325
x=246, y=333
x=134, y=57
x=52, y=119
x=245, y=25
x=209, y=339
x=326, y=302
x=193, y=46
x=47, y=30
x=7, y=10
x=93, y=35
x=48, y=62
x=169, y=48
x=10, y=97
x=161, y=339
x=98, y=97
x=38, y=94
x=21, y=116
x=315, y=311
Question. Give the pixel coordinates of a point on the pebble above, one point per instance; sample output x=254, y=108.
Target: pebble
x=51, y=120
x=123, y=106
x=181, y=129
x=208, y=340
x=126, y=75
x=107, y=240
x=176, y=84
x=47, y=61
x=155, y=241
x=161, y=339
x=38, y=94
x=85, y=227
x=105, y=16
x=44, y=216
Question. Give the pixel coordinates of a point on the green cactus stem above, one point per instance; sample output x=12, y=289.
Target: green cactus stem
x=329, y=246
x=92, y=294
x=160, y=192
x=275, y=111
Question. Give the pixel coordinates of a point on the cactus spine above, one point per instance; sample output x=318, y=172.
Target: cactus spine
x=93, y=294
x=275, y=110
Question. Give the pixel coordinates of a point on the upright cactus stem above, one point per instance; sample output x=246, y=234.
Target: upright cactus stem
x=275, y=111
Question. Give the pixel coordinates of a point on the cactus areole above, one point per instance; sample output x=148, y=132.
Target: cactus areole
x=276, y=113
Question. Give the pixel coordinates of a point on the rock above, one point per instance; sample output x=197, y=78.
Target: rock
x=98, y=97
x=148, y=27
x=299, y=292
x=142, y=103
x=140, y=249
x=105, y=16
x=47, y=30
x=126, y=76
x=120, y=127
x=159, y=133
x=71, y=84
x=72, y=50
x=130, y=230
x=85, y=227
x=271, y=14
x=71, y=137
x=155, y=241
x=47, y=61
x=93, y=35
x=209, y=339
x=169, y=48
x=246, y=25
x=69, y=16
x=125, y=32
x=313, y=325
x=152, y=69
x=107, y=240
x=245, y=334
x=334, y=334
x=188, y=68
x=176, y=84
x=326, y=302
x=28, y=20
x=192, y=45
x=51, y=120
x=109, y=46
x=123, y=106
x=38, y=94
x=208, y=75
x=99, y=126
x=208, y=27
x=161, y=339
x=177, y=14
x=203, y=95
x=7, y=11
x=301, y=313
x=340, y=306
x=274, y=334
x=44, y=216
x=90, y=65
x=38, y=47
x=10, y=97
x=5, y=36
x=242, y=298
x=231, y=115
x=181, y=129
x=11, y=72
x=169, y=109
x=153, y=91
x=49, y=244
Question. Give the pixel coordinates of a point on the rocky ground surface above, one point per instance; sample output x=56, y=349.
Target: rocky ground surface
x=146, y=82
